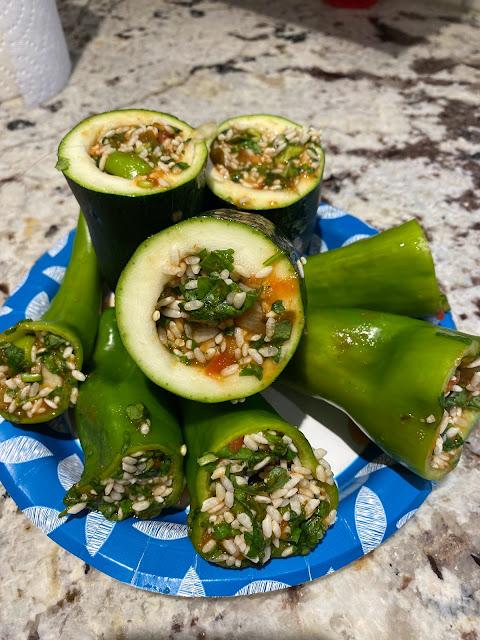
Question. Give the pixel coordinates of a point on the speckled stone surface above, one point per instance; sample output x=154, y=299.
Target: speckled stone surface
x=395, y=90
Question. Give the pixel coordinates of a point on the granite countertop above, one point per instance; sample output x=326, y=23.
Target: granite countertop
x=395, y=91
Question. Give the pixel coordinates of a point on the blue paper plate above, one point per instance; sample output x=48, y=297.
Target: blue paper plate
x=38, y=465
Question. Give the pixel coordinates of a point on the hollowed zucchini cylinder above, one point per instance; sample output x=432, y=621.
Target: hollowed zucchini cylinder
x=392, y=271
x=41, y=360
x=212, y=309
x=270, y=165
x=257, y=489
x=130, y=435
x=133, y=172
x=413, y=387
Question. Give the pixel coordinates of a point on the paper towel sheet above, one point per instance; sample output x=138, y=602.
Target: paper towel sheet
x=34, y=59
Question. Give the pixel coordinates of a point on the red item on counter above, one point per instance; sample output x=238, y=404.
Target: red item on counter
x=351, y=4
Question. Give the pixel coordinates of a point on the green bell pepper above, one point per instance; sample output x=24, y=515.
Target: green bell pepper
x=392, y=271
x=130, y=436
x=410, y=385
x=257, y=489
x=41, y=360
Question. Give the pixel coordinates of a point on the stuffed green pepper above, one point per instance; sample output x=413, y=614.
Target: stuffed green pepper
x=41, y=360
x=392, y=271
x=133, y=172
x=212, y=308
x=257, y=489
x=270, y=165
x=130, y=435
x=413, y=387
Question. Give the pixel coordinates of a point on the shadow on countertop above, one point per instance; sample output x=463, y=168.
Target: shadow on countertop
x=390, y=26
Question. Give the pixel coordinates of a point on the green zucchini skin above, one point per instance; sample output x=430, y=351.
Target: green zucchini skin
x=118, y=224
x=296, y=221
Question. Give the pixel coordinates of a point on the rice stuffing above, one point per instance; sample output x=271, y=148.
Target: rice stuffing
x=263, y=502
x=210, y=315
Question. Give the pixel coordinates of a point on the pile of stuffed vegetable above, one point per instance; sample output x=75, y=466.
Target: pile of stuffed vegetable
x=212, y=307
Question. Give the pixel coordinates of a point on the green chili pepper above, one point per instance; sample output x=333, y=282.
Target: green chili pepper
x=392, y=271
x=215, y=433
x=126, y=165
x=69, y=323
x=129, y=434
x=390, y=374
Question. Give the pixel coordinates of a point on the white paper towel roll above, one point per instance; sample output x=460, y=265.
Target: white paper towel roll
x=34, y=59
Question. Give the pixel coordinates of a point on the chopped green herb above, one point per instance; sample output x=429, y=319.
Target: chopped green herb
x=222, y=531
x=282, y=332
x=115, y=140
x=182, y=165
x=54, y=362
x=213, y=291
x=276, y=478
x=255, y=540
x=256, y=344
x=473, y=403
x=277, y=306
x=13, y=356
x=453, y=443
x=280, y=448
x=252, y=369
x=52, y=341
x=216, y=260
x=295, y=533
x=242, y=454
x=460, y=399
x=313, y=529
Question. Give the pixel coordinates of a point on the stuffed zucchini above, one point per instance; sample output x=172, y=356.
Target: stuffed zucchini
x=257, y=488
x=270, y=164
x=212, y=308
x=134, y=172
x=130, y=436
x=413, y=387
x=41, y=360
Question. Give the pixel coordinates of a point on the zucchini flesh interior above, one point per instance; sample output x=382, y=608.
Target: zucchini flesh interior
x=264, y=162
x=39, y=374
x=461, y=407
x=148, y=151
x=211, y=309
x=263, y=503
